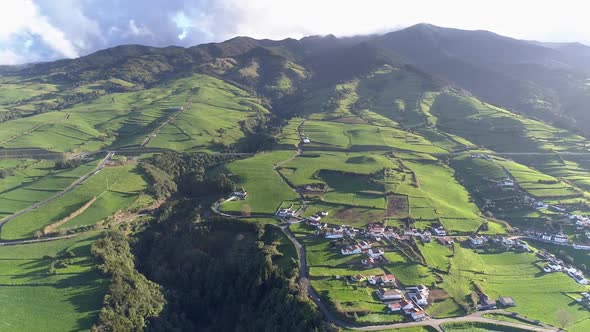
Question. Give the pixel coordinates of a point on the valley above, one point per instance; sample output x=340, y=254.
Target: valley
x=404, y=200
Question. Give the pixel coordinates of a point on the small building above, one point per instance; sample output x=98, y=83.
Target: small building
x=241, y=194
x=368, y=261
x=375, y=229
x=364, y=245
x=439, y=231
x=394, y=307
x=387, y=279
x=372, y=280
x=406, y=305
x=420, y=299
x=546, y=237
x=560, y=238
x=389, y=294
x=375, y=253
x=418, y=315
x=476, y=241
x=306, y=141
x=506, y=301
x=324, y=213
x=446, y=241
x=580, y=279
x=283, y=213
x=506, y=183
x=485, y=303
x=335, y=233
x=358, y=277
x=314, y=218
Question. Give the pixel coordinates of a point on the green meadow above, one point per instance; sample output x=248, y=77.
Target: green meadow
x=65, y=298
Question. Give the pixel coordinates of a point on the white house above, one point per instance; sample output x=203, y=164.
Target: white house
x=547, y=237
x=324, y=213
x=350, y=250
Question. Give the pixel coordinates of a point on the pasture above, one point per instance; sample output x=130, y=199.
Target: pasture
x=125, y=183
x=54, y=282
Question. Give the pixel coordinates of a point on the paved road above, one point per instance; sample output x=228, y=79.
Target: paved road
x=61, y=193
x=305, y=284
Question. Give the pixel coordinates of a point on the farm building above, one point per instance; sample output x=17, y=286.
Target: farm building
x=350, y=250
x=389, y=294
x=506, y=301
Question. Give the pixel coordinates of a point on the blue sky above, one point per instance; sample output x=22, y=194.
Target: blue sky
x=43, y=30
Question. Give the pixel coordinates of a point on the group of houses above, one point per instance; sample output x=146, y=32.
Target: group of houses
x=285, y=213
x=556, y=238
x=554, y=264
x=497, y=242
x=409, y=301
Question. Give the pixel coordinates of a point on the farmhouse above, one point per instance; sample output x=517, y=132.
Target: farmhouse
x=335, y=233
x=389, y=294
x=541, y=205
x=506, y=301
x=324, y=213
x=351, y=250
x=388, y=279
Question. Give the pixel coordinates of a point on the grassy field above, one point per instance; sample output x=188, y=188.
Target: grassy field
x=35, y=183
x=124, y=185
x=538, y=295
x=65, y=300
x=266, y=190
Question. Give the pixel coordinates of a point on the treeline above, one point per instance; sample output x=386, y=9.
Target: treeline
x=67, y=164
x=131, y=298
x=219, y=276
x=170, y=172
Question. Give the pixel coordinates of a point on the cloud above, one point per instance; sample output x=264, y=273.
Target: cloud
x=137, y=31
x=21, y=18
x=69, y=28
